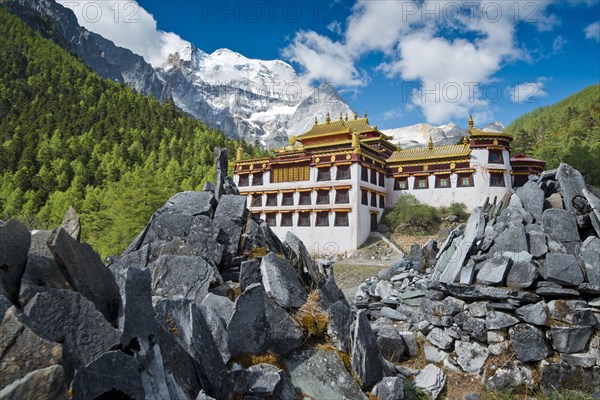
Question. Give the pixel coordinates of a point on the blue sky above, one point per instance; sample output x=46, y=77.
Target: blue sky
x=404, y=62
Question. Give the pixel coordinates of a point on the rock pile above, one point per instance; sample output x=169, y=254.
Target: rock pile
x=513, y=295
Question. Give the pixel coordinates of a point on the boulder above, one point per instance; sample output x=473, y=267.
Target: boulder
x=72, y=224
x=571, y=183
x=112, y=375
x=366, y=358
x=297, y=254
x=230, y=217
x=286, y=334
x=532, y=198
x=190, y=204
x=389, y=388
x=434, y=354
x=321, y=374
x=22, y=350
x=383, y=289
x=248, y=329
x=281, y=282
x=513, y=239
x=570, y=339
x=528, y=342
x=182, y=277
x=561, y=376
x=595, y=204
x=537, y=243
x=536, y=314
x=431, y=380
x=5, y=304
x=574, y=312
x=509, y=377
x=590, y=257
x=390, y=343
x=522, y=275
x=250, y=273
x=260, y=381
x=440, y=338
x=46, y=383
x=493, y=271
x=221, y=165
x=41, y=272
x=69, y=318
x=470, y=356
x=338, y=327
x=562, y=269
x=499, y=320
x=86, y=273
x=14, y=243
x=560, y=225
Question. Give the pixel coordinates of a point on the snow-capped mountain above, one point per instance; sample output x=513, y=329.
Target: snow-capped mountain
x=247, y=98
x=443, y=135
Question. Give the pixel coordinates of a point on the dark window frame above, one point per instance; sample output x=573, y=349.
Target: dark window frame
x=256, y=200
x=341, y=219
x=321, y=176
x=381, y=179
x=381, y=201
x=285, y=221
x=373, y=199
x=495, y=157
x=438, y=181
x=397, y=182
x=269, y=221
x=270, y=198
x=302, y=199
x=364, y=173
x=364, y=200
x=374, y=175
x=461, y=177
x=418, y=179
x=498, y=175
x=244, y=180
x=304, y=219
x=345, y=193
x=257, y=182
x=287, y=199
x=343, y=172
x=320, y=216
x=321, y=194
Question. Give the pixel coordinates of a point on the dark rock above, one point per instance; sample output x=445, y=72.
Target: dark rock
x=499, y=320
x=416, y=257
x=338, y=327
x=570, y=339
x=528, y=342
x=221, y=165
x=250, y=273
x=298, y=255
x=366, y=357
x=590, y=257
x=440, y=338
x=574, y=312
x=493, y=271
x=5, y=304
x=471, y=356
x=571, y=184
x=560, y=225
x=22, y=350
x=560, y=376
x=72, y=224
x=389, y=388
x=390, y=343
x=46, y=383
x=258, y=238
x=551, y=289
x=86, y=273
x=532, y=198
x=509, y=377
x=286, y=334
x=208, y=187
x=260, y=381
x=182, y=277
x=562, y=269
x=471, y=396
x=248, y=329
x=595, y=204
x=111, y=375
x=69, y=318
x=474, y=327
x=190, y=204
x=431, y=380
x=14, y=242
x=330, y=293
x=537, y=243
x=230, y=217
x=513, y=238
x=522, y=275
x=281, y=282
x=536, y=314
x=41, y=272
x=478, y=292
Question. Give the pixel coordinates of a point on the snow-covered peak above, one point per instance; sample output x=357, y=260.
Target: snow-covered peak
x=418, y=135
x=496, y=127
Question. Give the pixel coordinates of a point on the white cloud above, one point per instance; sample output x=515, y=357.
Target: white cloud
x=128, y=25
x=527, y=92
x=592, y=31
x=335, y=27
x=392, y=114
x=557, y=45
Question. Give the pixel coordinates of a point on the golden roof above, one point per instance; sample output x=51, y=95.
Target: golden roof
x=427, y=153
x=475, y=132
x=358, y=125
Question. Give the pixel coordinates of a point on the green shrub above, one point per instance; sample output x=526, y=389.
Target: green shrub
x=412, y=215
x=458, y=209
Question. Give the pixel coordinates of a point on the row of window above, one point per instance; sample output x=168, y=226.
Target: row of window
x=342, y=196
x=342, y=173
x=376, y=178
x=257, y=180
x=292, y=174
x=374, y=197
x=304, y=219
x=443, y=181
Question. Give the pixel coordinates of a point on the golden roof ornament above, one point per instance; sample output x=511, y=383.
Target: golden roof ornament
x=316, y=121
x=240, y=153
x=471, y=123
x=341, y=117
x=328, y=118
x=292, y=140
x=346, y=116
x=430, y=143
x=465, y=140
x=355, y=140
x=366, y=117
x=355, y=115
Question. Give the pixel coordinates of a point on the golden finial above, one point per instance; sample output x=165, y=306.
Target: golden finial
x=341, y=116
x=430, y=143
x=465, y=140
x=398, y=147
x=366, y=115
x=292, y=140
x=367, y=118
x=316, y=121
x=240, y=153
x=327, y=118
x=355, y=140
x=355, y=115
x=471, y=123
x=346, y=116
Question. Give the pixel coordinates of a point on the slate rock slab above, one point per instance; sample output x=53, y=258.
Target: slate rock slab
x=5, y=304
x=536, y=314
x=248, y=329
x=562, y=269
x=570, y=339
x=366, y=358
x=440, y=338
x=513, y=239
x=537, y=243
x=494, y=271
x=560, y=225
x=72, y=224
x=190, y=204
x=572, y=184
x=250, y=273
x=112, y=374
x=532, y=198
x=230, y=217
x=46, y=383
x=22, y=350
x=338, y=328
x=281, y=282
x=14, y=246
x=574, y=312
x=390, y=343
x=86, y=273
x=286, y=334
x=590, y=256
x=297, y=254
x=389, y=388
x=528, y=342
x=522, y=275
x=69, y=318
x=499, y=320
x=260, y=381
x=321, y=374
x=471, y=356
x=431, y=380
x=557, y=376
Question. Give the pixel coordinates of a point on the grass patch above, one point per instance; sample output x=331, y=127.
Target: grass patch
x=349, y=275
x=311, y=318
x=411, y=392
x=247, y=360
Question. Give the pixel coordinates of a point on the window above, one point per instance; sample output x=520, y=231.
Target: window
x=497, y=179
x=364, y=173
x=341, y=219
x=400, y=184
x=342, y=196
x=271, y=219
x=520, y=180
x=343, y=172
x=323, y=197
x=373, y=199
x=304, y=219
x=304, y=199
x=495, y=157
x=381, y=201
x=374, y=177
x=287, y=199
x=364, y=198
x=465, y=180
x=256, y=200
x=382, y=180
x=272, y=200
x=257, y=179
x=286, y=219
x=421, y=182
x=323, y=174
x=323, y=218
x=244, y=180
x=290, y=174
x=442, y=181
